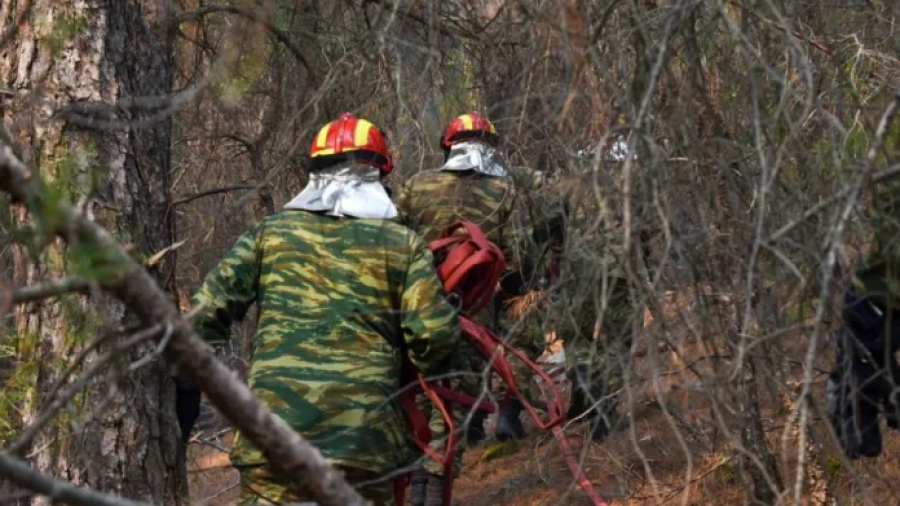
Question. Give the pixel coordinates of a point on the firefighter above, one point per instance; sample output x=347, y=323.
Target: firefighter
x=473, y=184
x=863, y=383
x=341, y=289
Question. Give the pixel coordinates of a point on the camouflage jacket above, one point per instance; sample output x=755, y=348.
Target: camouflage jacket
x=336, y=297
x=432, y=200
x=594, y=225
x=877, y=274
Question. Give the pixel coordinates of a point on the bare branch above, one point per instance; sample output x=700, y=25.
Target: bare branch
x=53, y=288
x=214, y=191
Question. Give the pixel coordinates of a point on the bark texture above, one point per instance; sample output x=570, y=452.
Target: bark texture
x=66, y=65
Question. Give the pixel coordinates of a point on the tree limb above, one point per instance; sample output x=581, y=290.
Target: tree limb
x=53, y=288
x=214, y=191
x=286, y=450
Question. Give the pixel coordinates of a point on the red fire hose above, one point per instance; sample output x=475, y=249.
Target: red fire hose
x=489, y=344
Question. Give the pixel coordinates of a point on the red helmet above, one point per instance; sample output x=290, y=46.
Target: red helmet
x=468, y=127
x=351, y=138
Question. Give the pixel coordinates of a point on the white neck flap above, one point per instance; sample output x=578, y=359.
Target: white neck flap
x=474, y=156
x=346, y=190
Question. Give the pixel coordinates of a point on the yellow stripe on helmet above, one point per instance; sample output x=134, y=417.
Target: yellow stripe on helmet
x=361, y=136
x=322, y=138
x=468, y=122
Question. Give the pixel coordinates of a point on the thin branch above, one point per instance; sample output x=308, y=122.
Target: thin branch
x=284, y=448
x=214, y=191
x=53, y=288
x=889, y=173
x=102, y=117
x=60, y=491
x=146, y=359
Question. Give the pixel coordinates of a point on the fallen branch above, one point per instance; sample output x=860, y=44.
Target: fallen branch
x=286, y=450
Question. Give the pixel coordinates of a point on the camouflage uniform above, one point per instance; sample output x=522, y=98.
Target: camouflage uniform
x=877, y=274
x=431, y=201
x=864, y=381
x=337, y=299
x=592, y=289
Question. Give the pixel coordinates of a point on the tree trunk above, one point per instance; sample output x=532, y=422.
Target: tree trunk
x=90, y=53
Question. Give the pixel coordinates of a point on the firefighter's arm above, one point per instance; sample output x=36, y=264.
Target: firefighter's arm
x=228, y=290
x=430, y=325
x=225, y=295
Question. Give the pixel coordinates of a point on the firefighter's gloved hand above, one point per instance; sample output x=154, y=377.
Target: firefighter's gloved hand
x=187, y=406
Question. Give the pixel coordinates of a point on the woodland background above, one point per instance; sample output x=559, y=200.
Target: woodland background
x=175, y=124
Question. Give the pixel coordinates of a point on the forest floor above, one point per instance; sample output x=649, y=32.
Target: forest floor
x=671, y=453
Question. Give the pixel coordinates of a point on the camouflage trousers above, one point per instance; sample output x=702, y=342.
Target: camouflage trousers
x=467, y=381
x=597, y=343
x=526, y=332
x=260, y=486
x=471, y=382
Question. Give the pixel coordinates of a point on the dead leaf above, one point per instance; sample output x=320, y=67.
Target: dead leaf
x=153, y=260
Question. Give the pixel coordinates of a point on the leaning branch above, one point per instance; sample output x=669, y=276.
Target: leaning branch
x=286, y=450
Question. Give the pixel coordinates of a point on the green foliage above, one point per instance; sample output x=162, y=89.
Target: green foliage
x=67, y=175
x=856, y=145
x=724, y=473
x=79, y=320
x=58, y=33
x=892, y=142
